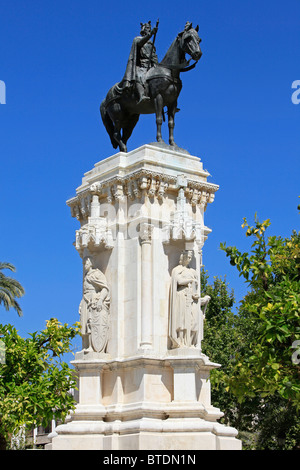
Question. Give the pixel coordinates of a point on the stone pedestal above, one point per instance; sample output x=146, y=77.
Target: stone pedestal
x=139, y=388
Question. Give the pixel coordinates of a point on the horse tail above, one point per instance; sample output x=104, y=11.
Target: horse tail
x=108, y=123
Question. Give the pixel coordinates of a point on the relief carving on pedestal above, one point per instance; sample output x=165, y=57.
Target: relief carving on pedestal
x=185, y=304
x=94, y=308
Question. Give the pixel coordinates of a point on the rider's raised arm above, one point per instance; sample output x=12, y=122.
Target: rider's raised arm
x=143, y=39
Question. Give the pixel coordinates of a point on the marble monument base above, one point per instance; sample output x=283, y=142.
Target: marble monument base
x=143, y=380
x=145, y=403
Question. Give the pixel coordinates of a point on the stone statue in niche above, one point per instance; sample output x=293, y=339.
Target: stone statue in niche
x=185, y=304
x=94, y=308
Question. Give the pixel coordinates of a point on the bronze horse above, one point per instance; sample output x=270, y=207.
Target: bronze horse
x=120, y=111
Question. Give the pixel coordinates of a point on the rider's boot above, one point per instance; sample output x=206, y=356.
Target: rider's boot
x=141, y=94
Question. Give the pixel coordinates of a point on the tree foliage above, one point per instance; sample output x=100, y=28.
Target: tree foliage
x=10, y=289
x=222, y=339
x=258, y=345
x=258, y=383
x=219, y=338
x=272, y=270
x=34, y=381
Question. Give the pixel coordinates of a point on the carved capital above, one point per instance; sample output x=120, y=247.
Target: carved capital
x=146, y=231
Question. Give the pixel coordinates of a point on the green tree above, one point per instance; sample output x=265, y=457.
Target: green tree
x=222, y=339
x=34, y=381
x=266, y=363
x=10, y=289
x=219, y=338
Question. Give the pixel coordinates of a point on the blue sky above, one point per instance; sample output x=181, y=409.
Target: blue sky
x=58, y=60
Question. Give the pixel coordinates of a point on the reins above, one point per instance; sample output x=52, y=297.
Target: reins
x=185, y=67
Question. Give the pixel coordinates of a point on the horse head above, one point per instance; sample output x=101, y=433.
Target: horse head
x=189, y=41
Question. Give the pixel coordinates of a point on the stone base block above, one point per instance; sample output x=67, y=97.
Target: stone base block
x=145, y=403
x=146, y=434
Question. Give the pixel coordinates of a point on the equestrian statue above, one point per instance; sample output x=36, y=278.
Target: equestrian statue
x=149, y=85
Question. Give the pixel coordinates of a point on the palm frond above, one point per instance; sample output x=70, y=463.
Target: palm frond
x=5, y=265
x=10, y=289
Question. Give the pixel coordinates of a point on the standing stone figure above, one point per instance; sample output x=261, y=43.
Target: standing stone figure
x=94, y=308
x=141, y=58
x=185, y=307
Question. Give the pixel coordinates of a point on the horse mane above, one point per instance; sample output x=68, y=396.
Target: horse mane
x=172, y=55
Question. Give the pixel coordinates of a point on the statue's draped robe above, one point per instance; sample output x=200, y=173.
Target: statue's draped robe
x=93, y=283
x=184, y=311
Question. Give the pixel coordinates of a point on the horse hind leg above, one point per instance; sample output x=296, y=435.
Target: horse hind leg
x=128, y=128
x=116, y=116
x=159, y=116
x=117, y=136
x=171, y=122
x=108, y=123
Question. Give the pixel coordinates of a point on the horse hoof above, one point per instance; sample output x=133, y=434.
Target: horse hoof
x=123, y=148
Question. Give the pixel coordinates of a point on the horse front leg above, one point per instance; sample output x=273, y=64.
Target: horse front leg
x=158, y=102
x=171, y=122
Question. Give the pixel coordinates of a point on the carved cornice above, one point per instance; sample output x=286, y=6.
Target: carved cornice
x=135, y=185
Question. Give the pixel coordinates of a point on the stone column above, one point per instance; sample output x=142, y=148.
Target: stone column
x=198, y=256
x=146, y=286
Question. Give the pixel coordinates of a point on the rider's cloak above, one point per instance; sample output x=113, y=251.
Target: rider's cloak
x=130, y=72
